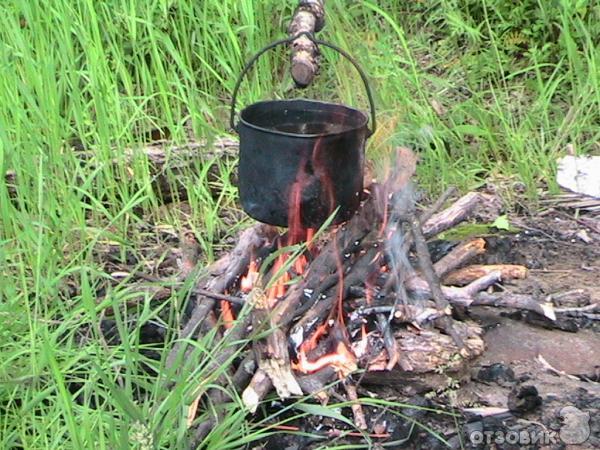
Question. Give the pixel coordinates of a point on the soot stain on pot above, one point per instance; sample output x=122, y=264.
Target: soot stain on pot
x=313, y=147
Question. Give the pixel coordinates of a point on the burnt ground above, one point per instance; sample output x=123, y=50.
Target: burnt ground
x=549, y=402
x=560, y=260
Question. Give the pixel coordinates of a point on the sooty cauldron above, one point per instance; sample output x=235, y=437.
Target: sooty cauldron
x=301, y=159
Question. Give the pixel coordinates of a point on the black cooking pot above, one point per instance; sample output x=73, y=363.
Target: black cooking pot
x=301, y=160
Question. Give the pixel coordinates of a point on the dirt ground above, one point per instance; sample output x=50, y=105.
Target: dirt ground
x=543, y=377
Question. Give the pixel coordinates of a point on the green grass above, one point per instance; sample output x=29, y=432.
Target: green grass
x=516, y=84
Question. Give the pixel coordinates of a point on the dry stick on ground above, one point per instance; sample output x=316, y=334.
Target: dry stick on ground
x=359, y=415
x=471, y=295
x=309, y=17
x=451, y=216
x=462, y=296
x=516, y=301
x=414, y=314
x=458, y=256
x=579, y=309
x=469, y=274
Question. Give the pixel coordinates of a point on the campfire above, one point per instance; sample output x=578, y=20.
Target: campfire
x=359, y=297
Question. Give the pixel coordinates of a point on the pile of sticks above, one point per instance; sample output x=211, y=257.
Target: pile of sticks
x=409, y=310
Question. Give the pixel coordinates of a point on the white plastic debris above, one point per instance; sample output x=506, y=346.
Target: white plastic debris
x=580, y=174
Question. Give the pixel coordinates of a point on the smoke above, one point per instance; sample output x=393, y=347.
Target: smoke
x=398, y=199
x=401, y=204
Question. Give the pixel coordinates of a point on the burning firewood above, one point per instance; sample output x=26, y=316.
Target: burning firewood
x=353, y=298
x=271, y=353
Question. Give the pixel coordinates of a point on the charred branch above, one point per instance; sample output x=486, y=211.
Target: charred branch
x=451, y=216
x=232, y=266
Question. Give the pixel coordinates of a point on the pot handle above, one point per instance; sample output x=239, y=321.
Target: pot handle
x=274, y=44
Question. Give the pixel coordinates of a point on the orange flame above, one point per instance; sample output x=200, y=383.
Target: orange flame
x=248, y=281
x=227, y=314
x=300, y=264
x=278, y=289
x=342, y=360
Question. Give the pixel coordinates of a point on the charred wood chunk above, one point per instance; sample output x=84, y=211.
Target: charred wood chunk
x=497, y=373
x=524, y=399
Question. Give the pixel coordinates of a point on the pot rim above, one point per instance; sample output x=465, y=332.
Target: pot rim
x=298, y=135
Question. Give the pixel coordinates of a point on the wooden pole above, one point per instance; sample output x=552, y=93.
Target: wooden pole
x=309, y=17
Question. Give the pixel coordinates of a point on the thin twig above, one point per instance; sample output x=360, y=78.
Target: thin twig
x=216, y=296
x=426, y=265
x=580, y=309
x=389, y=341
x=359, y=415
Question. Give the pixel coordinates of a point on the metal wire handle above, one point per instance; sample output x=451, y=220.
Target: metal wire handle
x=274, y=44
